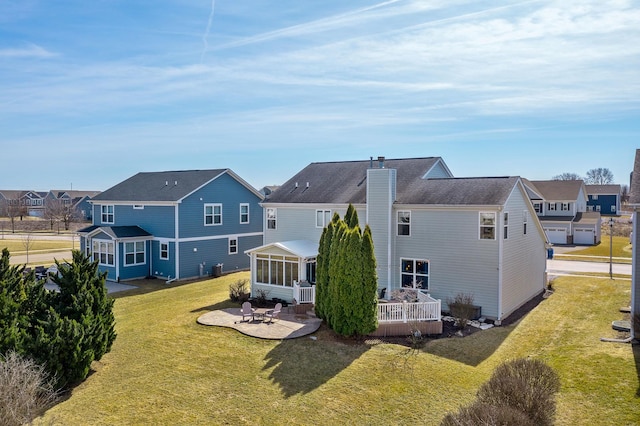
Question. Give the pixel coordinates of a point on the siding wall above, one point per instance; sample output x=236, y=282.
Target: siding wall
x=459, y=261
x=133, y=271
x=438, y=171
x=157, y=220
x=524, y=256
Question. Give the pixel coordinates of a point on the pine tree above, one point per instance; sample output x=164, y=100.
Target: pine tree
x=369, y=301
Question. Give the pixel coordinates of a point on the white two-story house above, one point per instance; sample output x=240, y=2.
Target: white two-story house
x=561, y=206
x=431, y=231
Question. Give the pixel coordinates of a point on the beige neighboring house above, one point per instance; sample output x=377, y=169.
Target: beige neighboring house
x=561, y=207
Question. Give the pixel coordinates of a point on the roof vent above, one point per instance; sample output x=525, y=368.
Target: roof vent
x=175, y=183
x=381, y=162
x=307, y=184
x=166, y=183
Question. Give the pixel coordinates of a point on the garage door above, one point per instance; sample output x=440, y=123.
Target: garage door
x=556, y=235
x=583, y=236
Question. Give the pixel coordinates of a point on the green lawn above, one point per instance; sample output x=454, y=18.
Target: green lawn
x=16, y=245
x=166, y=369
x=620, y=248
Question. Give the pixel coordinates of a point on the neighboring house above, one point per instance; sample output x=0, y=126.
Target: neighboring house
x=34, y=203
x=79, y=200
x=174, y=225
x=604, y=199
x=634, y=204
x=561, y=206
x=431, y=231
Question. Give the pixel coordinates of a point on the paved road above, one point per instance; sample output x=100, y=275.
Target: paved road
x=577, y=267
x=44, y=259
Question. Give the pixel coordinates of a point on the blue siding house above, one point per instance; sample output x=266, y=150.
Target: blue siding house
x=604, y=199
x=174, y=225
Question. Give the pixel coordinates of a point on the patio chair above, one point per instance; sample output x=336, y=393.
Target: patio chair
x=247, y=310
x=273, y=313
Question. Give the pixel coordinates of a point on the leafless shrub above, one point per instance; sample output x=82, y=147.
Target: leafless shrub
x=461, y=309
x=26, y=390
x=238, y=291
x=479, y=414
x=527, y=385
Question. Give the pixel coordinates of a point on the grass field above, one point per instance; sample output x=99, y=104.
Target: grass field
x=166, y=369
x=620, y=248
x=16, y=246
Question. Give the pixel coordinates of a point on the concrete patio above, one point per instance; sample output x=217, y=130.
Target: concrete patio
x=288, y=325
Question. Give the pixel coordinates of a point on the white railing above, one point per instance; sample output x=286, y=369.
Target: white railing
x=407, y=312
x=304, y=294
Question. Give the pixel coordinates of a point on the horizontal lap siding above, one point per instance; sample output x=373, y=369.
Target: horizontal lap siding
x=213, y=252
x=524, y=257
x=163, y=268
x=299, y=223
x=271, y=291
x=459, y=261
x=133, y=271
x=230, y=193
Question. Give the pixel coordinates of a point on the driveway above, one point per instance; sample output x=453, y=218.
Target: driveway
x=574, y=267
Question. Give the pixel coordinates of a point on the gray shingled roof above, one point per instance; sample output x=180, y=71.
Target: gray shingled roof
x=558, y=190
x=159, y=186
x=634, y=190
x=603, y=189
x=345, y=182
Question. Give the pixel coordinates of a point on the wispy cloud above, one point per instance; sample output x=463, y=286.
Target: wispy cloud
x=205, y=36
x=28, y=51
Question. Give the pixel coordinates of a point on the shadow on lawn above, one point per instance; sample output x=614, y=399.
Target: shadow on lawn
x=477, y=347
x=302, y=365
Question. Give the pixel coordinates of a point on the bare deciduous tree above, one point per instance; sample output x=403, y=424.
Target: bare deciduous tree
x=567, y=176
x=61, y=212
x=599, y=176
x=15, y=209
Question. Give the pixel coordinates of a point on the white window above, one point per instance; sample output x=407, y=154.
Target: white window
x=212, y=214
x=598, y=208
x=589, y=208
x=272, y=217
x=565, y=207
x=404, y=222
x=487, y=226
x=551, y=207
x=244, y=213
x=323, y=217
x=164, y=251
x=276, y=270
x=506, y=225
x=537, y=207
x=138, y=207
x=134, y=253
x=414, y=273
x=525, y=217
x=613, y=209
x=103, y=252
x=107, y=213
x=595, y=197
x=233, y=245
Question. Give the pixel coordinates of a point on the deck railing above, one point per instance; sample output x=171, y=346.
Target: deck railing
x=427, y=309
x=304, y=294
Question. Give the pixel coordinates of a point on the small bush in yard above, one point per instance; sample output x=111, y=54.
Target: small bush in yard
x=25, y=389
x=238, y=291
x=528, y=385
x=484, y=414
x=520, y=392
x=461, y=309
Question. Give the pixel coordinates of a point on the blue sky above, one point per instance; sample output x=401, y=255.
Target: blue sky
x=91, y=92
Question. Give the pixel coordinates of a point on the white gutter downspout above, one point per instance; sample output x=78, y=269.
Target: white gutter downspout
x=389, y=235
x=177, y=239
x=500, y=263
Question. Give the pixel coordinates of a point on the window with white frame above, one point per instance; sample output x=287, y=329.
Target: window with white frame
x=506, y=225
x=525, y=218
x=272, y=217
x=233, y=245
x=212, y=214
x=613, y=209
x=164, y=251
x=595, y=197
x=134, y=253
x=487, y=225
x=138, y=206
x=323, y=217
x=414, y=273
x=404, y=222
x=276, y=270
x=565, y=207
x=244, y=213
x=107, y=213
x=598, y=208
x=103, y=252
x=551, y=207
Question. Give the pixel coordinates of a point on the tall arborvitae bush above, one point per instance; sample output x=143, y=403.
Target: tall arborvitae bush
x=346, y=289
x=65, y=330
